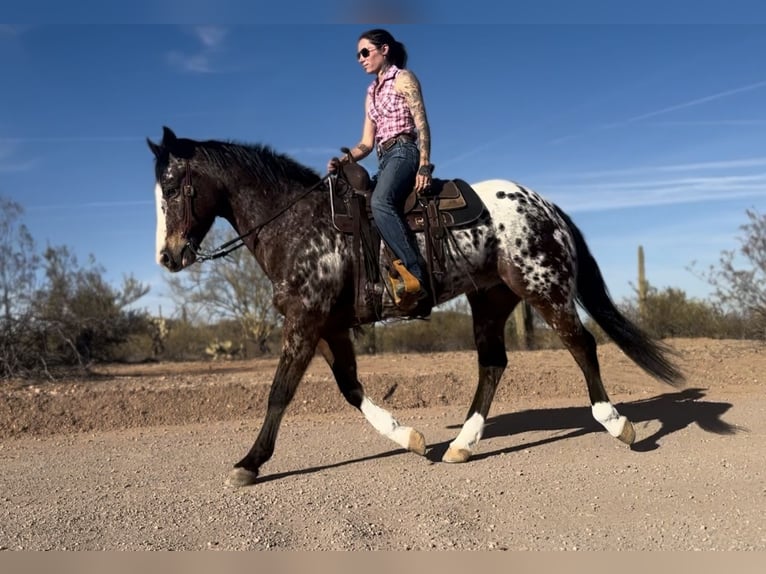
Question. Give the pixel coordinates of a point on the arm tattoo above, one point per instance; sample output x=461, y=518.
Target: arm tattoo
x=410, y=88
x=364, y=152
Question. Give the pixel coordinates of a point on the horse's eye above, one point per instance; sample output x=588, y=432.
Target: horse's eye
x=170, y=193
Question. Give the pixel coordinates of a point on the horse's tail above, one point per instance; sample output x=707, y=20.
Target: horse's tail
x=592, y=294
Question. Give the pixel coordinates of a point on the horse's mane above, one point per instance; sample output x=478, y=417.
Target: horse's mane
x=261, y=161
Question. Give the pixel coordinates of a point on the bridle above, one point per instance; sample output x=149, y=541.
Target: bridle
x=188, y=193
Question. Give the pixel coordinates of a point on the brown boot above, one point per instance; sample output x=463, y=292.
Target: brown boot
x=408, y=300
x=407, y=289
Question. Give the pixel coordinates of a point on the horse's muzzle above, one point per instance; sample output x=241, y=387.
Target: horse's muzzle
x=177, y=262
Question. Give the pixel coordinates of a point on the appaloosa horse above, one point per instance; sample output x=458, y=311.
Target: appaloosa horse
x=524, y=247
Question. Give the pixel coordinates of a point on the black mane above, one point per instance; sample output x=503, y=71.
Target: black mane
x=259, y=161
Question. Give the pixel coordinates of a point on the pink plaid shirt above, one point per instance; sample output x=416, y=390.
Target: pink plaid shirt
x=388, y=108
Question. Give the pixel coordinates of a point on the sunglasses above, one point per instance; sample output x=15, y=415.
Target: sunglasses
x=364, y=52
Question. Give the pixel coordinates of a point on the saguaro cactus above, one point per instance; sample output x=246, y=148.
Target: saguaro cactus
x=642, y=284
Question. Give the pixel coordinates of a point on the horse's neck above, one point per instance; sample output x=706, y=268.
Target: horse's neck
x=250, y=204
x=279, y=220
x=255, y=205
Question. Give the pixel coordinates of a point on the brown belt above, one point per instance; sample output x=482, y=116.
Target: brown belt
x=390, y=142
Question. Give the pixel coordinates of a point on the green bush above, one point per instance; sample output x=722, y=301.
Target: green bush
x=669, y=313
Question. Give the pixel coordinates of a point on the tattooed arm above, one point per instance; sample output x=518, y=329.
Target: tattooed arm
x=407, y=84
x=364, y=147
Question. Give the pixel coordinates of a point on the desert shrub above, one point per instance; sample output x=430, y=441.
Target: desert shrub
x=739, y=278
x=670, y=313
x=443, y=331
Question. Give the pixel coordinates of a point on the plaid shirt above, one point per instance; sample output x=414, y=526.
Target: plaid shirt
x=388, y=108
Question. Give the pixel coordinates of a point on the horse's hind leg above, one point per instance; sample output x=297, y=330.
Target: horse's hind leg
x=582, y=346
x=490, y=310
x=338, y=350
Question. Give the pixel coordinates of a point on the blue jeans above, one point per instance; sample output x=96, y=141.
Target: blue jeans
x=392, y=184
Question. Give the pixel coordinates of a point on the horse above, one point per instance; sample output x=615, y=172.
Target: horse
x=524, y=247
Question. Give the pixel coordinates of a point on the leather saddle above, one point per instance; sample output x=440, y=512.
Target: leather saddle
x=446, y=205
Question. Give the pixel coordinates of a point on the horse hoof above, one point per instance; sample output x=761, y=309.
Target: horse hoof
x=417, y=443
x=456, y=455
x=241, y=477
x=628, y=434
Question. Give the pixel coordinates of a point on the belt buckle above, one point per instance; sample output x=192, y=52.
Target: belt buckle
x=388, y=144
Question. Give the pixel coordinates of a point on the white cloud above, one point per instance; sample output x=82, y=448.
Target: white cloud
x=663, y=111
x=17, y=166
x=8, y=163
x=68, y=139
x=202, y=61
x=691, y=103
x=9, y=31
x=88, y=205
x=722, y=164
x=635, y=187
x=198, y=63
x=707, y=123
x=211, y=36
x=649, y=169
x=606, y=200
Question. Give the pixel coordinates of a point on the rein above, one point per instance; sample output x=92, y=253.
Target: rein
x=239, y=241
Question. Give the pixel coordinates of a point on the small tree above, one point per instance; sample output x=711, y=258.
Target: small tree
x=19, y=263
x=83, y=318
x=232, y=288
x=52, y=311
x=739, y=279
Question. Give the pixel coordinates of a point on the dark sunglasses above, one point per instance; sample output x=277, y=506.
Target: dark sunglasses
x=364, y=52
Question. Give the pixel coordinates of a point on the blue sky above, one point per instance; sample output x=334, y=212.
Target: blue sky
x=646, y=134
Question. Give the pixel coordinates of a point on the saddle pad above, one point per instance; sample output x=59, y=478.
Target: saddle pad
x=459, y=205
x=446, y=190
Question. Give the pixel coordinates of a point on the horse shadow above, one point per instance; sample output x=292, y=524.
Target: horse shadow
x=675, y=411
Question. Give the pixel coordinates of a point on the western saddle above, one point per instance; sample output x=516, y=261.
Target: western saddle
x=446, y=205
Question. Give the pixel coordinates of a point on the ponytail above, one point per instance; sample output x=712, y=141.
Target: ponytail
x=397, y=53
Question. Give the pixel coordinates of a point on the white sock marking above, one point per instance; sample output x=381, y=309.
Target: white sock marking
x=385, y=424
x=470, y=434
x=607, y=415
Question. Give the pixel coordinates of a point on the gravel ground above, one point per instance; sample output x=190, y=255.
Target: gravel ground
x=137, y=459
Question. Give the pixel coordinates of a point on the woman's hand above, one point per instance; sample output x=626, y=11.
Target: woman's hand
x=423, y=178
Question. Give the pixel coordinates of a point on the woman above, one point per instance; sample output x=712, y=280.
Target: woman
x=396, y=127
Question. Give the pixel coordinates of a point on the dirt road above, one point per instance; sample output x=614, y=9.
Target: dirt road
x=137, y=460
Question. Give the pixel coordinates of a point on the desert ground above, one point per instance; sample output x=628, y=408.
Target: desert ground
x=136, y=458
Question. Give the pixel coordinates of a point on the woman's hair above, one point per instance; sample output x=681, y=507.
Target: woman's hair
x=397, y=53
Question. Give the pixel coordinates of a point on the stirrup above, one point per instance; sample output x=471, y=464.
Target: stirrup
x=406, y=288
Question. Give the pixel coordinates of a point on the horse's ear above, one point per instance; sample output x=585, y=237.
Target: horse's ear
x=154, y=147
x=179, y=147
x=168, y=137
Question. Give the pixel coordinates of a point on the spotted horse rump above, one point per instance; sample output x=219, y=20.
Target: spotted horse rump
x=523, y=247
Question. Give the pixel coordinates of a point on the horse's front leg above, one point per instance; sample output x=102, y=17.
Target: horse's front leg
x=338, y=350
x=299, y=340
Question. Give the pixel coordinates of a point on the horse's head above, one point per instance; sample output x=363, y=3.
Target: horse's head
x=186, y=200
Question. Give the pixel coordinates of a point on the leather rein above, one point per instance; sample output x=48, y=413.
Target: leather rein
x=233, y=244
